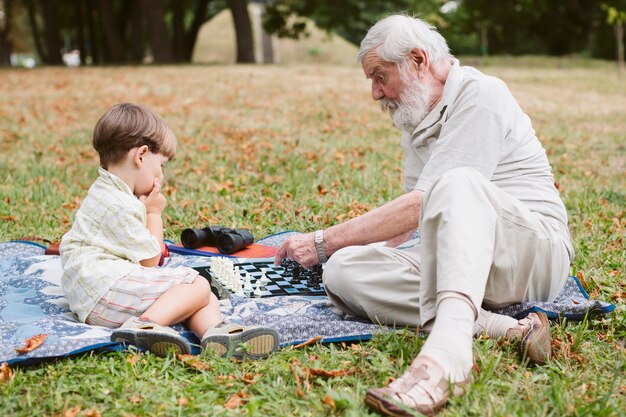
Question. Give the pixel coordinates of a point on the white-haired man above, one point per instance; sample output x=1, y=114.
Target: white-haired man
x=493, y=229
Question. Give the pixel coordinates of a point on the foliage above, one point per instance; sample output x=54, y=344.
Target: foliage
x=273, y=148
x=551, y=27
x=285, y=17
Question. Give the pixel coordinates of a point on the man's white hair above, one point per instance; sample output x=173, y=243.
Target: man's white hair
x=395, y=36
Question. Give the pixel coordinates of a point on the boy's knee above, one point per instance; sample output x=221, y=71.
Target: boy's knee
x=202, y=286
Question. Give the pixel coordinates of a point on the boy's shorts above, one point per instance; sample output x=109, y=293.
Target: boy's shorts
x=134, y=293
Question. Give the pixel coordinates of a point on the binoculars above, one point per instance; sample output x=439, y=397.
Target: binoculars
x=226, y=240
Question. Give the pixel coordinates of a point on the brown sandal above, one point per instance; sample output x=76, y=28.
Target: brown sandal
x=422, y=388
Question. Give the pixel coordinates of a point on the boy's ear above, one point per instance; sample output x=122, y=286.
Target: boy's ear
x=138, y=154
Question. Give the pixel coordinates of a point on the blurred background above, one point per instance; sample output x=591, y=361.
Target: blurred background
x=104, y=32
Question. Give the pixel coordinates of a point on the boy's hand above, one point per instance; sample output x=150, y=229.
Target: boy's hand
x=155, y=201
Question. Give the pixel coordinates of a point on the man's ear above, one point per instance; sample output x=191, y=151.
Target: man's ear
x=139, y=153
x=420, y=61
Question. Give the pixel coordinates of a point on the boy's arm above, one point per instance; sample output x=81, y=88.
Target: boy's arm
x=154, y=224
x=155, y=203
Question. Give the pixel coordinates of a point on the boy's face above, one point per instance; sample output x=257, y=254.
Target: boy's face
x=151, y=168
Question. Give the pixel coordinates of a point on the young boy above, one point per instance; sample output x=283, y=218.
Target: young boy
x=110, y=255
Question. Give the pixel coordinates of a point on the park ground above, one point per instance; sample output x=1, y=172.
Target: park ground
x=272, y=148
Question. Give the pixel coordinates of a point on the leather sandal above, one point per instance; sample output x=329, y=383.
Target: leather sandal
x=422, y=388
x=532, y=334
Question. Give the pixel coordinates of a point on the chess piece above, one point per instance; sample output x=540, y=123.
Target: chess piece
x=257, y=292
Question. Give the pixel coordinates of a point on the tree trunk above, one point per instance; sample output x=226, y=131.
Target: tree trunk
x=80, y=30
x=54, y=44
x=178, y=29
x=34, y=27
x=160, y=43
x=243, y=30
x=94, y=41
x=112, y=39
x=5, y=42
x=136, y=37
x=619, y=37
x=199, y=17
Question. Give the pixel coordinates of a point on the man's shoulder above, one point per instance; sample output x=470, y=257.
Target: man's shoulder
x=478, y=88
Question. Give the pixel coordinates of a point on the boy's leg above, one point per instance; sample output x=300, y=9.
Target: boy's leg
x=193, y=301
x=130, y=297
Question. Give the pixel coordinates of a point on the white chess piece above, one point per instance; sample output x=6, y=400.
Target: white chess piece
x=264, y=279
x=257, y=292
x=248, y=284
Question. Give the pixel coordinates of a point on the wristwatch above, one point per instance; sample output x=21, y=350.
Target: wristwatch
x=319, y=246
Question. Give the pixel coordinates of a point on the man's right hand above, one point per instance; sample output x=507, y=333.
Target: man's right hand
x=300, y=248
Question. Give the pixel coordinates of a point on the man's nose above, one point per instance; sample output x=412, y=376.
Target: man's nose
x=377, y=92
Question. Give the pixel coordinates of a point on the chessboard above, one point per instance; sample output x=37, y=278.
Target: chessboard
x=258, y=279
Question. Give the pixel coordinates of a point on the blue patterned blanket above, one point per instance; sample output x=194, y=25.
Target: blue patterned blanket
x=32, y=302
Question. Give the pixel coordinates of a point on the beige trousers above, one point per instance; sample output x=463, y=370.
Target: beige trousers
x=475, y=239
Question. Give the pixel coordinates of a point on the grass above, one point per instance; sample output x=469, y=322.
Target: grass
x=272, y=148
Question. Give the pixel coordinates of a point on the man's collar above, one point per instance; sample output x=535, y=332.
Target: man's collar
x=450, y=90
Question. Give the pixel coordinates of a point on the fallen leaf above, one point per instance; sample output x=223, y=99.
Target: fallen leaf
x=6, y=373
x=331, y=374
x=233, y=402
x=32, y=343
x=92, y=412
x=193, y=362
x=329, y=401
x=182, y=402
x=72, y=412
x=308, y=342
x=136, y=399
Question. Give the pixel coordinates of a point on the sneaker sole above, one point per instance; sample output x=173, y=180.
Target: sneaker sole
x=157, y=343
x=261, y=342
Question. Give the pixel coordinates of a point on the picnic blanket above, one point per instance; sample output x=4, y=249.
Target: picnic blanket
x=32, y=302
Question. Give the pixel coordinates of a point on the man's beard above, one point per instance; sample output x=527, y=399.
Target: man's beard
x=411, y=108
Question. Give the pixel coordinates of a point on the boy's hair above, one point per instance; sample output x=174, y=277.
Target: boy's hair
x=126, y=126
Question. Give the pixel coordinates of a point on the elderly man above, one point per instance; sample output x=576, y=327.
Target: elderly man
x=493, y=229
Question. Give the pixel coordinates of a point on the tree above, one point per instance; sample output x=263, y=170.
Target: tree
x=5, y=31
x=243, y=30
x=349, y=18
x=617, y=18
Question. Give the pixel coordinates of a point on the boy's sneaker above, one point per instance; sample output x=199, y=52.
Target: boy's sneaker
x=225, y=341
x=147, y=334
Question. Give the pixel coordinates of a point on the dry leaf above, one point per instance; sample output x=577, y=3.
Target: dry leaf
x=6, y=373
x=136, y=399
x=331, y=374
x=329, y=401
x=92, y=412
x=233, y=402
x=182, y=402
x=72, y=412
x=308, y=342
x=32, y=343
x=193, y=362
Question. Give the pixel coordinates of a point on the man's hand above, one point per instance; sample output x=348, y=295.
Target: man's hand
x=300, y=248
x=155, y=201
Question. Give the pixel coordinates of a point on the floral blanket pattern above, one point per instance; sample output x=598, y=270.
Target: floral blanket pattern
x=32, y=302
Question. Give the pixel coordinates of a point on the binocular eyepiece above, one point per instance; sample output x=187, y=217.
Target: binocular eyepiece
x=226, y=240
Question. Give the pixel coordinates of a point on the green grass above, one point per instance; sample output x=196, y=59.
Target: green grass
x=299, y=147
